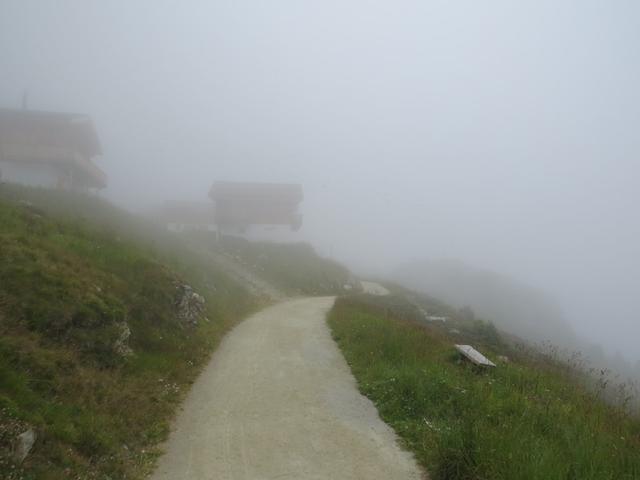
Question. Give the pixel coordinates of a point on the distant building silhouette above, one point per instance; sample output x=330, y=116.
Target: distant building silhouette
x=239, y=205
x=49, y=149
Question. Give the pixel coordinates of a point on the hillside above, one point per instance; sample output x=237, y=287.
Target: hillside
x=511, y=305
x=292, y=268
x=105, y=321
x=530, y=417
x=99, y=341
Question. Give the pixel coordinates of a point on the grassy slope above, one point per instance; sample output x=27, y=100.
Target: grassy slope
x=512, y=305
x=71, y=270
x=523, y=420
x=294, y=268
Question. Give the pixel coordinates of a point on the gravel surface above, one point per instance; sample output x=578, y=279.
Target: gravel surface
x=278, y=401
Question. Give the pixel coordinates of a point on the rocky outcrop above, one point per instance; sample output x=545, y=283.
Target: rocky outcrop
x=121, y=345
x=189, y=305
x=24, y=444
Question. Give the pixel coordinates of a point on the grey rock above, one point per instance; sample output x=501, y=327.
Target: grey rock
x=189, y=305
x=121, y=345
x=24, y=444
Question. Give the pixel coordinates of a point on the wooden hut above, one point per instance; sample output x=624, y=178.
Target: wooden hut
x=49, y=149
x=240, y=205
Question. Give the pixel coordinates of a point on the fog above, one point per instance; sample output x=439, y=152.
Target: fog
x=505, y=135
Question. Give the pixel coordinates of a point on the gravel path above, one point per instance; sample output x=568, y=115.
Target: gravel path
x=278, y=401
x=250, y=280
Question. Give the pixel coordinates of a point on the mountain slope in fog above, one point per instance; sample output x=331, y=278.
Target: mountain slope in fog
x=98, y=338
x=513, y=306
x=105, y=321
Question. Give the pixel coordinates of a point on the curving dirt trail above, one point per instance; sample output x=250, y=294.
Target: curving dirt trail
x=278, y=401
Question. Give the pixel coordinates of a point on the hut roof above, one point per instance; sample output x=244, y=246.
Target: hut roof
x=49, y=129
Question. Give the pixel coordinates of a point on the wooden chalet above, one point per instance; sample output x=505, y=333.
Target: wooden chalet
x=240, y=205
x=49, y=149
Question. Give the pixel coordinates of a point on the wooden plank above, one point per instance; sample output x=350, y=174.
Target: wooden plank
x=474, y=356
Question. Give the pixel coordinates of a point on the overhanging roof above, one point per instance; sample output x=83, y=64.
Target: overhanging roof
x=49, y=129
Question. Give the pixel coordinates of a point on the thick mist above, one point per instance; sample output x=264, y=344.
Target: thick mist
x=502, y=134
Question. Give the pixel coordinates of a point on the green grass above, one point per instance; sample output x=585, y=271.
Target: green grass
x=294, y=268
x=526, y=419
x=72, y=270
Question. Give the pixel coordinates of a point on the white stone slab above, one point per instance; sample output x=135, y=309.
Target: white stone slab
x=474, y=356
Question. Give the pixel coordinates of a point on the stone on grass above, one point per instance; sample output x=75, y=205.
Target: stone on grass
x=474, y=356
x=189, y=305
x=24, y=444
x=121, y=345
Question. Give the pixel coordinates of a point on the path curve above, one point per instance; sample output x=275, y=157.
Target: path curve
x=278, y=401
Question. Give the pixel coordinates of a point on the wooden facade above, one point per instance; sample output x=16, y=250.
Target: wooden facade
x=50, y=149
x=240, y=205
